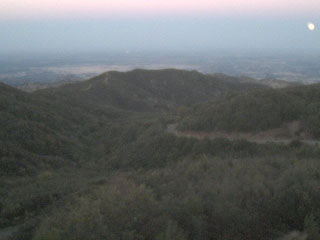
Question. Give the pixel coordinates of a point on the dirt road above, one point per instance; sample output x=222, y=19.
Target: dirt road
x=172, y=128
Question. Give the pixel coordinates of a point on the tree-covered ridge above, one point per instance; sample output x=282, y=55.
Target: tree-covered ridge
x=86, y=166
x=146, y=183
x=53, y=126
x=149, y=90
x=258, y=110
x=37, y=131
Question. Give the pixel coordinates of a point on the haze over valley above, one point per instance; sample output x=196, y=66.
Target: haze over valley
x=41, y=71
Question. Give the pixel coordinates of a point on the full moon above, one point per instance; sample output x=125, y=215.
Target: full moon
x=311, y=26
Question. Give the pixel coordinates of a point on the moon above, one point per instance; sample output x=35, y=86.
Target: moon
x=311, y=26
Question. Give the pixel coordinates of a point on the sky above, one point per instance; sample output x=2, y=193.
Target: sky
x=168, y=25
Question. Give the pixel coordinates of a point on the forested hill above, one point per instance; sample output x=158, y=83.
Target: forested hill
x=258, y=110
x=149, y=90
x=93, y=160
x=52, y=126
x=37, y=131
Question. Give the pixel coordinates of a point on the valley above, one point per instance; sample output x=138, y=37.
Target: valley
x=160, y=154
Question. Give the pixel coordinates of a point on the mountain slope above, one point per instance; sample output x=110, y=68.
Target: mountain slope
x=43, y=128
x=119, y=168
x=275, y=83
x=259, y=110
x=149, y=90
x=37, y=132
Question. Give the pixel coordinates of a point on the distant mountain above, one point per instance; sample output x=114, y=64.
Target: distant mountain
x=259, y=110
x=149, y=90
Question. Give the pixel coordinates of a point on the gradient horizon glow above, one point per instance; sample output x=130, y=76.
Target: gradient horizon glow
x=15, y=9
x=74, y=25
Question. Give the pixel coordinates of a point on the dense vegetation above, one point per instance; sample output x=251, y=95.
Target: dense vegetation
x=80, y=166
x=258, y=110
x=36, y=131
x=197, y=198
x=150, y=90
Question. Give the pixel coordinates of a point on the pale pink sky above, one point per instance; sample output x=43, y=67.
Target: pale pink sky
x=15, y=9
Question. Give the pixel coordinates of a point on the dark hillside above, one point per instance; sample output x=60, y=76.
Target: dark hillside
x=149, y=90
x=258, y=110
x=35, y=131
x=93, y=160
x=49, y=124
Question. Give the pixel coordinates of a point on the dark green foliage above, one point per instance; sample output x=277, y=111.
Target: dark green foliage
x=148, y=90
x=120, y=210
x=52, y=126
x=197, y=198
x=258, y=110
x=93, y=160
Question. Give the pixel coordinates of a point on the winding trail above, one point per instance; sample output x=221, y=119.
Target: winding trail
x=172, y=128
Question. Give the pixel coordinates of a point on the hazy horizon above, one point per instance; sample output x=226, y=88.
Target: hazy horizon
x=140, y=25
